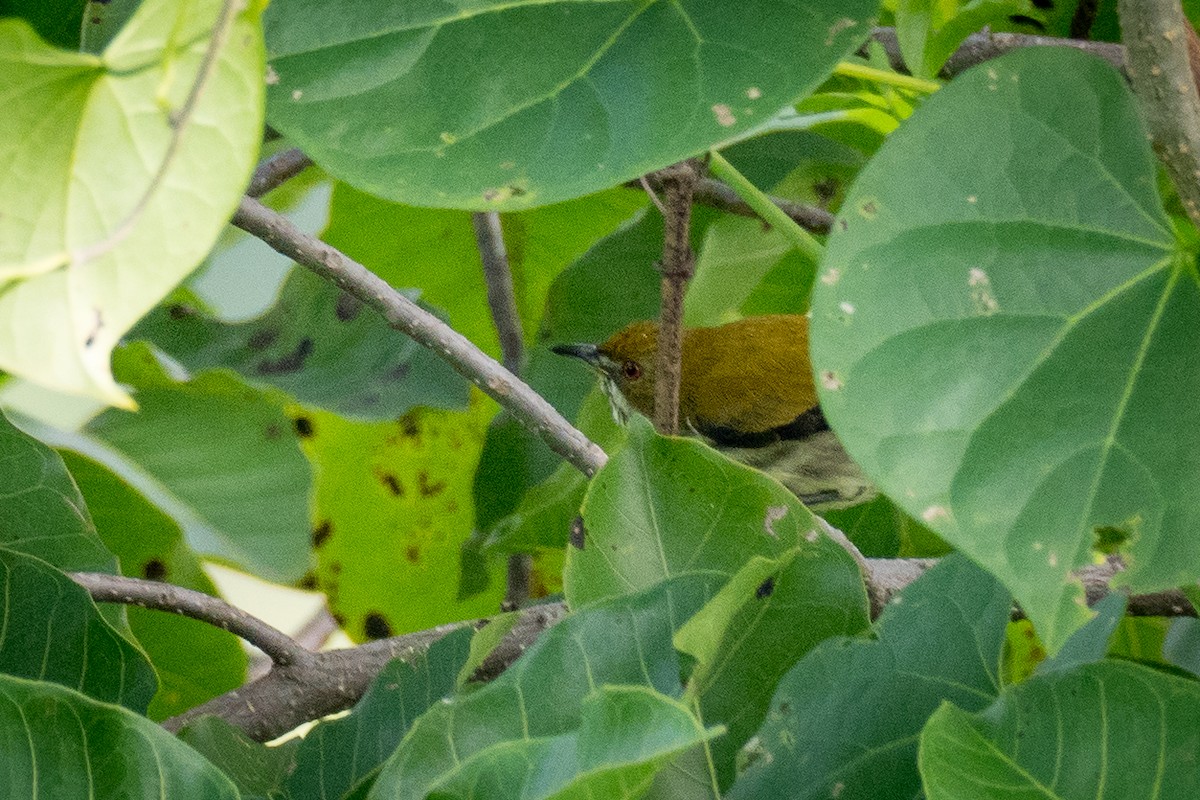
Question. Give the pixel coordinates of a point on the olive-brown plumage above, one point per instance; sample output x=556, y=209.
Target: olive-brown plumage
x=748, y=388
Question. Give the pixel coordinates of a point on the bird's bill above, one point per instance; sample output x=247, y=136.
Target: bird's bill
x=587, y=353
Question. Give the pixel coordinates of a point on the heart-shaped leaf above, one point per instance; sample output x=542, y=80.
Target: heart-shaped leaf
x=1004, y=333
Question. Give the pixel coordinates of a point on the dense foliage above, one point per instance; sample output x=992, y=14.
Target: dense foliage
x=1005, y=335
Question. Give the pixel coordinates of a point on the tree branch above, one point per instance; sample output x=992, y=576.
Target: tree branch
x=105, y=588
x=1156, y=38
x=276, y=170
x=526, y=405
x=715, y=194
x=980, y=47
x=677, y=267
x=502, y=300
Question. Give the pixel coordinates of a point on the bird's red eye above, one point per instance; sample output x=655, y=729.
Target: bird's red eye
x=631, y=370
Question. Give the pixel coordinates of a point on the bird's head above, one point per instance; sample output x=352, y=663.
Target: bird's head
x=625, y=364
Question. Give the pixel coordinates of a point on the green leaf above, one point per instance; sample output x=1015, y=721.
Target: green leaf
x=844, y=720
x=58, y=743
x=319, y=345
x=763, y=621
x=552, y=115
x=106, y=210
x=1090, y=643
x=336, y=755
x=1112, y=729
x=392, y=510
x=625, y=735
x=257, y=770
x=625, y=642
x=881, y=530
x=663, y=507
x=42, y=513
x=53, y=631
x=254, y=510
x=56, y=21
x=195, y=661
x=1014, y=359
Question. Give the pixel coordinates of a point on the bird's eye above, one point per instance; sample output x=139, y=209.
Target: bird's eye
x=631, y=370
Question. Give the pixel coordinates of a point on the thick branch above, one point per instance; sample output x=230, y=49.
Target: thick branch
x=526, y=405
x=105, y=588
x=1156, y=38
x=335, y=680
x=677, y=267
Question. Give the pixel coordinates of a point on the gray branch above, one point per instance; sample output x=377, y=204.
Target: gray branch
x=276, y=170
x=526, y=405
x=981, y=47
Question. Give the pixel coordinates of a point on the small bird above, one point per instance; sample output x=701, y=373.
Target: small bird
x=747, y=389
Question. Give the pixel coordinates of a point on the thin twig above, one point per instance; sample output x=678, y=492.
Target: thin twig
x=526, y=405
x=502, y=300
x=715, y=194
x=276, y=170
x=677, y=267
x=1156, y=48
x=980, y=47
x=105, y=588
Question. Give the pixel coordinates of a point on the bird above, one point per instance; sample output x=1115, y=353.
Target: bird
x=746, y=388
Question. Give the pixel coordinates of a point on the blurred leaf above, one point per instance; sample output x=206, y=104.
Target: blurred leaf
x=622, y=644
x=221, y=458
x=318, y=344
x=56, y=21
x=1113, y=728
x=1037, y=295
x=258, y=770
x=543, y=121
x=663, y=507
x=106, y=210
x=844, y=720
x=1182, y=645
x=58, y=743
x=53, y=632
x=1090, y=643
x=392, y=510
x=880, y=529
x=195, y=661
x=337, y=754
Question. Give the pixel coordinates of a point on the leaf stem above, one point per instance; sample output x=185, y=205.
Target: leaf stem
x=848, y=69
x=801, y=239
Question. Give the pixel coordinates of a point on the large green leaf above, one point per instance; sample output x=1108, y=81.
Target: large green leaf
x=845, y=719
x=57, y=743
x=318, y=344
x=1112, y=729
x=663, y=507
x=1014, y=358
x=195, y=661
x=561, y=99
x=253, y=509
x=119, y=170
x=545, y=694
x=392, y=510
x=256, y=769
x=52, y=631
x=56, y=21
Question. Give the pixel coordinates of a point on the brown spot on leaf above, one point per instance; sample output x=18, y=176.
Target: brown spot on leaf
x=308, y=582
x=765, y=589
x=392, y=483
x=376, y=626
x=178, y=311
x=321, y=533
x=335, y=567
x=451, y=507
x=292, y=362
x=154, y=570
x=304, y=427
x=272, y=431
x=262, y=338
x=340, y=619
x=347, y=307
x=429, y=488
x=409, y=425
x=413, y=554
